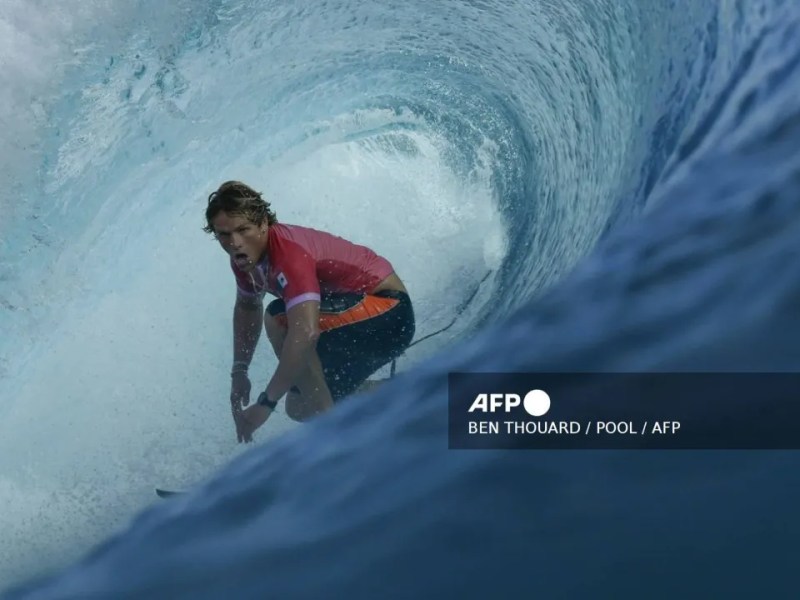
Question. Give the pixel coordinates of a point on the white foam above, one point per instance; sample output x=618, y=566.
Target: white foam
x=396, y=193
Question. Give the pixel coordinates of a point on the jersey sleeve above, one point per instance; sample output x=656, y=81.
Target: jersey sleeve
x=296, y=275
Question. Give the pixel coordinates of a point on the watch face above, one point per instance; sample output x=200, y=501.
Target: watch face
x=264, y=400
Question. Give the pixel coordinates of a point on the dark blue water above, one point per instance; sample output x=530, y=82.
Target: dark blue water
x=618, y=182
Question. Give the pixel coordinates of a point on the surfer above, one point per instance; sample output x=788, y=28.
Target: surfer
x=341, y=311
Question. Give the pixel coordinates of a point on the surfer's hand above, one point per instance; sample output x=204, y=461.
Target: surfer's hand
x=240, y=389
x=244, y=433
x=240, y=397
x=250, y=419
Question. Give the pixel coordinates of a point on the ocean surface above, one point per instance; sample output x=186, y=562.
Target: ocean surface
x=564, y=185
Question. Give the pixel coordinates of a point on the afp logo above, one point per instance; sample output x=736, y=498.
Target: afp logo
x=536, y=403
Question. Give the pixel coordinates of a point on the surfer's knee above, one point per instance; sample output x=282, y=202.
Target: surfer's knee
x=297, y=409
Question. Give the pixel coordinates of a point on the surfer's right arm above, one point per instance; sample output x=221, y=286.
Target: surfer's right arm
x=248, y=315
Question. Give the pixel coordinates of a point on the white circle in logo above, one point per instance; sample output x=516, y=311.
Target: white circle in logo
x=537, y=403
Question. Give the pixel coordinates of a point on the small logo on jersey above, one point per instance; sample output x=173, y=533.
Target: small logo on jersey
x=282, y=281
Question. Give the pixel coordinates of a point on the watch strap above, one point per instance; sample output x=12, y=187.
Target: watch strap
x=263, y=400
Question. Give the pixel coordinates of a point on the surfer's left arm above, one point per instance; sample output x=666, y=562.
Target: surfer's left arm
x=295, y=363
x=301, y=340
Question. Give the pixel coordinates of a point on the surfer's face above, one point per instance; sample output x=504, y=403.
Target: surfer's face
x=242, y=239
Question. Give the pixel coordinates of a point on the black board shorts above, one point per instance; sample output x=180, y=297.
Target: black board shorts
x=359, y=334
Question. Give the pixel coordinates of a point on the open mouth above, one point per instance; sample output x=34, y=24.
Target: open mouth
x=241, y=259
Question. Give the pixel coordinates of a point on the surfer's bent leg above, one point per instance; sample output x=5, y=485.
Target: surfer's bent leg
x=360, y=334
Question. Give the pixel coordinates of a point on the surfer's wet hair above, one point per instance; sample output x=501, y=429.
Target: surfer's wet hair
x=237, y=198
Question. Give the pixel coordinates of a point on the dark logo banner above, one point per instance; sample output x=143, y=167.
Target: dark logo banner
x=624, y=410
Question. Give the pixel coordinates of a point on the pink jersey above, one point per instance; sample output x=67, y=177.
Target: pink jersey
x=302, y=263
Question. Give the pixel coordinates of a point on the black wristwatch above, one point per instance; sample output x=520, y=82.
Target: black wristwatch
x=263, y=400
